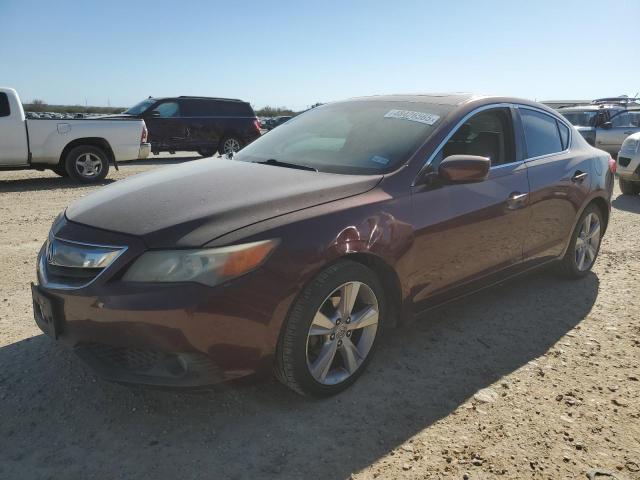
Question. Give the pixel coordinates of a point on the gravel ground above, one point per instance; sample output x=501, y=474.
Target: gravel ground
x=536, y=378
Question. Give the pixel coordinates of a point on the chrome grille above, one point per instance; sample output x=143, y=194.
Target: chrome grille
x=69, y=264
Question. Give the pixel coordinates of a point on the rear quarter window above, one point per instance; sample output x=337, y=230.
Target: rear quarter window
x=541, y=133
x=4, y=105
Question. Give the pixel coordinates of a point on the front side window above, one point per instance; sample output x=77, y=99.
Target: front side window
x=4, y=105
x=626, y=120
x=486, y=134
x=541, y=133
x=139, y=108
x=168, y=110
x=353, y=137
x=586, y=118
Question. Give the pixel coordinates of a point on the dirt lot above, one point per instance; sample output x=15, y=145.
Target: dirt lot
x=536, y=378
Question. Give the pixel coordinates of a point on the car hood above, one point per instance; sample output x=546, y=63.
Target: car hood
x=191, y=204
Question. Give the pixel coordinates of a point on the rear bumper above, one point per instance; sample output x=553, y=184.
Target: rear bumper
x=145, y=150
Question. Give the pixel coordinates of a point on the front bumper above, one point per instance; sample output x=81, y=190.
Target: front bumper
x=145, y=150
x=174, y=335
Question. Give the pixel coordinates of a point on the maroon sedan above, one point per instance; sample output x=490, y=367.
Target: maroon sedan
x=295, y=254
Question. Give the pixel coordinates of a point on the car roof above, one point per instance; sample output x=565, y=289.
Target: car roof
x=591, y=108
x=433, y=98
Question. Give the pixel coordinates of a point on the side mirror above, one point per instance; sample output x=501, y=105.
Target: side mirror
x=464, y=168
x=154, y=113
x=607, y=125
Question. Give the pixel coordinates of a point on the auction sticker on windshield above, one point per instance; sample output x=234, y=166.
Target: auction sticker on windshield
x=428, y=118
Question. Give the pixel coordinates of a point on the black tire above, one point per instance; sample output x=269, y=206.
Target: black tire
x=95, y=154
x=568, y=267
x=627, y=187
x=221, y=145
x=291, y=356
x=207, y=152
x=60, y=170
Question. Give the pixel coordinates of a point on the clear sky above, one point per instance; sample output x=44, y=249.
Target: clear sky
x=296, y=53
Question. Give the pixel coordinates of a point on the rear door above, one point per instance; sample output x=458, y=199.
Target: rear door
x=623, y=124
x=202, y=129
x=465, y=232
x=559, y=179
x=14, y=149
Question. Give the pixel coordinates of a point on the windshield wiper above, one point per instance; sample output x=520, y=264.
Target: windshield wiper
x=278, y=163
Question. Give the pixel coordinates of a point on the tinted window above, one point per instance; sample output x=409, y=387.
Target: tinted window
x=486, y=134
x=540, y=132
x=138, y=108
x=215, y=108
x=235, y=109
x=586, y=118
x=168, y=109
x=4, y=105
x=564, y=135
x=355, y=137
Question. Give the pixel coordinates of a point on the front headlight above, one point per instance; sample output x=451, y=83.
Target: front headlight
x=209, y=266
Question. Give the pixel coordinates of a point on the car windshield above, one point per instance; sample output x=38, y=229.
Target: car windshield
x=138, y=108
x=354, y=137
x=582, y=118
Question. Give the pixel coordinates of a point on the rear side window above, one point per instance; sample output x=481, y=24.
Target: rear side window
x=564, y=135
x=4, y=105
x=215, y=108
x=541, y=133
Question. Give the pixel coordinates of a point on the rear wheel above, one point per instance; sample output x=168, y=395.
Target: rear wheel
x=585, y=244
x=87, y=164
x=229, y=145
x=330, y=334
x=628, y=188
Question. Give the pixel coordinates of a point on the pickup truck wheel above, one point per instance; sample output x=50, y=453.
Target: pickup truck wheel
x=229, y=145
x=87, y=164
x=60, y=170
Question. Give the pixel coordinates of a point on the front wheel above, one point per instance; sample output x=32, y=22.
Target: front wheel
x=60, y=170
x=584, y=245
x=206, y=152
x=330, y=334
x=87, y=164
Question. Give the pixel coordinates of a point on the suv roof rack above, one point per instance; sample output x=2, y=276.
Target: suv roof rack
x=213, y=98
x=621, y=100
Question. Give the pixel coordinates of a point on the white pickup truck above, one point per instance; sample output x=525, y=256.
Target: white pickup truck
x=80, y=148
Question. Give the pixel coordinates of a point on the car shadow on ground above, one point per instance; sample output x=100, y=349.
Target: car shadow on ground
x=59, y=420
x=628, y=203
x=44, y=183
x=163, y=160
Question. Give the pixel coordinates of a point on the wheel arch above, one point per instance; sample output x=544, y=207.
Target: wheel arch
x=97, y=142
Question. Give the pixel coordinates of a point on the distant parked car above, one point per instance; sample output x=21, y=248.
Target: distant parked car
x=81, y=149
x=629, y=165
x=280, y=120
x=605, y=125
x=197, y=124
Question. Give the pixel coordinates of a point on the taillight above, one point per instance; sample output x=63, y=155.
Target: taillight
x=613, y=166
x=145, y=133
x=256, y=123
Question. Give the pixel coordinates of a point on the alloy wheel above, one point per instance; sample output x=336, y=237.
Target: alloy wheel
x=231, y=145
x=342, y=333
x=587, y=242
x=88, y=165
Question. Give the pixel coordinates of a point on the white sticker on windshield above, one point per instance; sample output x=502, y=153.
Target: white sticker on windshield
x=379, y=159
x=428, y=118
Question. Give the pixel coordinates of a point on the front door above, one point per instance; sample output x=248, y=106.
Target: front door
x=622, y=125
x=14, y=149
x=166, y=127
x=465, y=232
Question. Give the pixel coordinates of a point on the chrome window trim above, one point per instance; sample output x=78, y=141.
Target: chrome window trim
x=546, y=155
x=42, y=263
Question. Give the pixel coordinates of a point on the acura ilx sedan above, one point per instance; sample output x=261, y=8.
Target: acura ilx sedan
x=294, y=255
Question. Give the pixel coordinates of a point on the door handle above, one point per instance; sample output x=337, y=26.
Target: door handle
x=579, y=176
x=516, y=200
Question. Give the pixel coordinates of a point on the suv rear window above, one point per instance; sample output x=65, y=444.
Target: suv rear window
x=215, y=108
x=4, y=105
